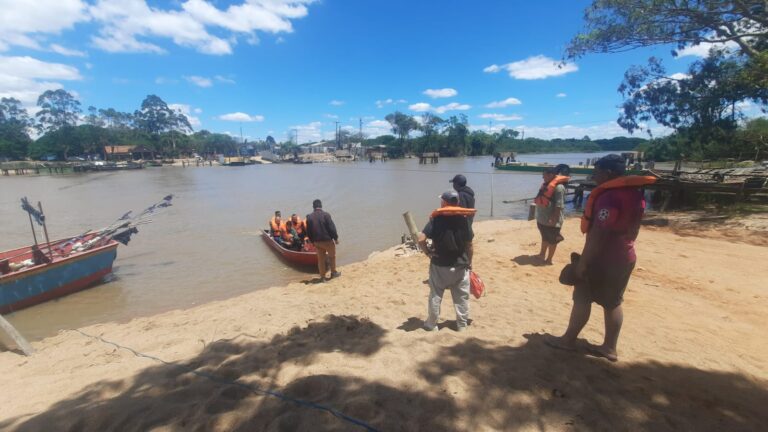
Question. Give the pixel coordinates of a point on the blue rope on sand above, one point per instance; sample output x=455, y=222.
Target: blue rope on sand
x=252, y=389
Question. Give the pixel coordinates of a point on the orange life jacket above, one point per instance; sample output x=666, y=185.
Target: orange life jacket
x=548, y=190
x=275, y=226
x=619, y=182
x=300, y=226
x=453, y=211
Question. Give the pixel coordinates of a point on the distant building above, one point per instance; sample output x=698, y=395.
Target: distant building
x=127, y=153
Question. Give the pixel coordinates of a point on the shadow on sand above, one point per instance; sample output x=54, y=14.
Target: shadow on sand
x=503, y=388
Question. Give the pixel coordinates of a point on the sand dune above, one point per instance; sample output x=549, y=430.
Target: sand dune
x=691, y=352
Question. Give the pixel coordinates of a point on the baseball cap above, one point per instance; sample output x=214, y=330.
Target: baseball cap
x=450, y=197
x=613, y=163
x=458, y=180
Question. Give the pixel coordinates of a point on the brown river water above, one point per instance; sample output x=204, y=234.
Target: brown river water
x=207, y=247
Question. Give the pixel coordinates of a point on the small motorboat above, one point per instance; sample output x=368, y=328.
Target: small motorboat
x=302, y=258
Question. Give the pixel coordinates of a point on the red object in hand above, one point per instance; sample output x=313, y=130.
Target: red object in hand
x=476, y=285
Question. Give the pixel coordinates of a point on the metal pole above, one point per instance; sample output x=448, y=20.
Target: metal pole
x=491, y=194
x=45, y=230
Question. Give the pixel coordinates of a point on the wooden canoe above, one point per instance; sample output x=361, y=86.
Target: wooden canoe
x=300, y=258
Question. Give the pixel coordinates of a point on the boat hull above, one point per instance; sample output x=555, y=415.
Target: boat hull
x=63, y=276
x=294, y=257
x=523, y=167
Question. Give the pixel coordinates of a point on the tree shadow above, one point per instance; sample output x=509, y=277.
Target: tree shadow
x=532, y=260
x=535, y=386
x=223, y=388
x=477, y=386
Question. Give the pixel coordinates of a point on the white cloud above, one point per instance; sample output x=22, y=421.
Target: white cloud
x=599, y=131
x=66, y=51
x=223, y=79
x=311, y=132
x=23, y=23
x=125, y=25
x=336, y=102
x=187, y=111
x=501, y=117
x=536, y=67
x=453, y=106
x=25, y=78
x=382, y=103
x=241, y=117
x=332, y=116
x=504, y=103
x=702, y=49
x=420, y=107
x=197, y=110
x=440, y=93
x=561, y=95
x=199, y=81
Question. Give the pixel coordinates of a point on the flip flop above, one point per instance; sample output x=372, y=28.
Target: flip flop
x=595, y=351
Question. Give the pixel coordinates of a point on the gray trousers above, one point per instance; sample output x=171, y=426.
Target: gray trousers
x=455, y=279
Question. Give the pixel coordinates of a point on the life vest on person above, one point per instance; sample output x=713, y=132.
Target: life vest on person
x=617, y=183
x=547, y=191
x=453, y=211
x=274, y=226
x=299, y=225
x=285, y=233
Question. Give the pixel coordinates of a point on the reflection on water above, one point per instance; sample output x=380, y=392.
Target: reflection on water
x=207, y=246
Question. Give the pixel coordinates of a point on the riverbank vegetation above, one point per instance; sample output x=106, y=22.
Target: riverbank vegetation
x=65, y=131
x=708, y=105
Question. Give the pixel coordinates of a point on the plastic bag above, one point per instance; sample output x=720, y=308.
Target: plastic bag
x=476, y=285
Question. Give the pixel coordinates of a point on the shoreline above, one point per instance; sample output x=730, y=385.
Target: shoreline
x=690, y=351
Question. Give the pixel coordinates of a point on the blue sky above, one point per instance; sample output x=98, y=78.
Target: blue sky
x=270, y=66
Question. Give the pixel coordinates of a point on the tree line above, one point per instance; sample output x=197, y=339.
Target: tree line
x=453, y=137
x=65, y=131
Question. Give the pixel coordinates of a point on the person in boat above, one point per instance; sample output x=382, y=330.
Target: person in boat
x=611, y=222
x=466, y=200
x=448, y=228
x=550, y=203
x=276, y=224
x=321, y=232
x=299, y=225
x=289, y=237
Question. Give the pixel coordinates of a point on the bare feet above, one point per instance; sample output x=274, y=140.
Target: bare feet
x=559, y=343
x=548, y=262
x=603, y=351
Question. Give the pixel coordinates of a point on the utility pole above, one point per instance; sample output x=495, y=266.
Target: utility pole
x=337, y=135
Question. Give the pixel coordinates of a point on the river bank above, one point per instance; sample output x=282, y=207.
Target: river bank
x=691, y=357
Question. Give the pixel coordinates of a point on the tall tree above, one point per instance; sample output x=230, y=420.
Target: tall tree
x=705, y=101
x=430, y=124
x=402, y=125
x=155, y=117
x=14, y=126
x=58, y=108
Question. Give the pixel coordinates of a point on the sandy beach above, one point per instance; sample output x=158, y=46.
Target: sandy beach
x=691, y=354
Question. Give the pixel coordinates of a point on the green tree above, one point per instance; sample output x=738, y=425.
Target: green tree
x=14, y=126
x=430, y=125
x=402, y=125
x=155, y=118
x=58, y=108
x=703, y=104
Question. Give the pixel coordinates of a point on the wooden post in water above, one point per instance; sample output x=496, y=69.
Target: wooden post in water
x=411, y=224
x=22, y=343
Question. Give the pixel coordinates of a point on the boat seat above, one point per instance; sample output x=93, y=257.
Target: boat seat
x=5, y=267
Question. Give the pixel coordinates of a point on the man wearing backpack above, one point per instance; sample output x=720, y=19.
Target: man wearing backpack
x=448, y=228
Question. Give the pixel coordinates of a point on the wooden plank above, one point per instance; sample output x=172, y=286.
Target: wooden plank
x=22, y=343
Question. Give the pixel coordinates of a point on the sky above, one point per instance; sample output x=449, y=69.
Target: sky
x=286, y=67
